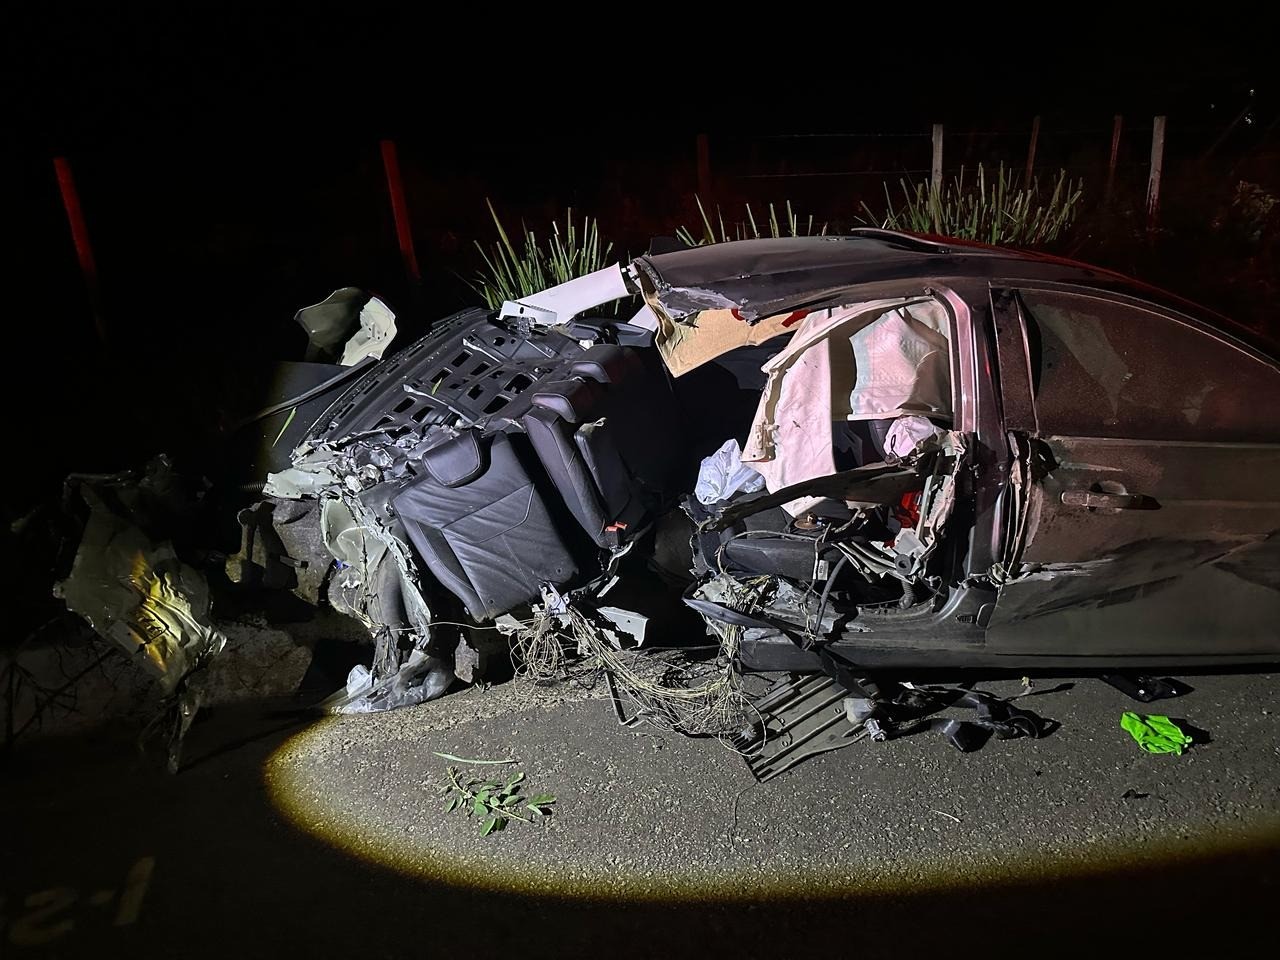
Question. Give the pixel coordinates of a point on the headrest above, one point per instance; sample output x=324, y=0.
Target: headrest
x=603, y=363
x=457, y=461
x=575, y=401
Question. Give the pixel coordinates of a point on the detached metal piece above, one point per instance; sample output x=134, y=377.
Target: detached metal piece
x=1145, y=688
x=801, y=718
x=563, y=302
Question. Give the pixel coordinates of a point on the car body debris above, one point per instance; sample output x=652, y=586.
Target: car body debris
x=133, y=589
x=831, y=460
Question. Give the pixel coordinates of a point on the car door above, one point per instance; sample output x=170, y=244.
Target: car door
x=1144, y=502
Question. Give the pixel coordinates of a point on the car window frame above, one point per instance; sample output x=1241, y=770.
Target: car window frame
x=1018, y=400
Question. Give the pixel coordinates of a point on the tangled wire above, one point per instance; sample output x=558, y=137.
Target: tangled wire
x=664, y=687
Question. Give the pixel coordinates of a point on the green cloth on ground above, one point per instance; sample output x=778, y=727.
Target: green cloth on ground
x=1155, y=734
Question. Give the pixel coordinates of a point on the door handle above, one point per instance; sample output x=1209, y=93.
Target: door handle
x=1095, y=499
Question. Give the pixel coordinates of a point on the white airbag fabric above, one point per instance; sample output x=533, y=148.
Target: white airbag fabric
x=869, y=361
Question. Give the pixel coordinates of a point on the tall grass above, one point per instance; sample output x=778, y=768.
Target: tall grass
x=510, y=273
x=790, y=226
x=996, y=211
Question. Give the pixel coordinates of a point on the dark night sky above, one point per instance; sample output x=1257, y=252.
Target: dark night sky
x=229, y=170
x=93, y=74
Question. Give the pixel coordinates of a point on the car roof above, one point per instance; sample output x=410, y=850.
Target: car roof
x=762, y=277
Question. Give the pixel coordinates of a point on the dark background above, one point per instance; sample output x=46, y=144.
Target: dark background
x=229, y=169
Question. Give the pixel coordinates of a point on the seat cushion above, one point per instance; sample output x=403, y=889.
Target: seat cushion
x=490, y=541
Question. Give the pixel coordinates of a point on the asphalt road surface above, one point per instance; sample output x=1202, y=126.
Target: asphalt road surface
x=327, y=838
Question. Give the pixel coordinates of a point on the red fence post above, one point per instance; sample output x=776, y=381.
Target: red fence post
x=400, y=212
x=80, y=238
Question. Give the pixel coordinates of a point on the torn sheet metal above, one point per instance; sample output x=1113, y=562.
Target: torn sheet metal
x=136, y=592
x=563, y=302
x=377, y=580
x=377, y=330
x=708, y=334
x=765, y=277
x=937, y=502
x=332, y=321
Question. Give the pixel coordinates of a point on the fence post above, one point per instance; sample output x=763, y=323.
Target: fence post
x=704, y=167
x=400, y=213
x=936, y=193
x=1157, y=167
x=1116, y=125
x=80, y=239
x=1031, y=150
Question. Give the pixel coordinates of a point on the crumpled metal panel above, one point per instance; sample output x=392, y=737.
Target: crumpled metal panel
x=136, y=592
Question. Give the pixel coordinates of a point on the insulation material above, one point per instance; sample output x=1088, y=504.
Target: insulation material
x=826, y=373
x=708, y=334
x=137, y=593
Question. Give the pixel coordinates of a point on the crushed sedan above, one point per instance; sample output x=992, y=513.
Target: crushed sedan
x=839, y=457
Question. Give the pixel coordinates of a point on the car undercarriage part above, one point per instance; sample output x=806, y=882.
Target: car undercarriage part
x=800, y=716
x=1144, y=688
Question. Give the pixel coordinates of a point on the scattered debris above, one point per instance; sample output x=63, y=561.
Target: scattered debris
x=1155, y=733
x=132, y=588
x=365, y=322
x=723, y=474
x=662, y=687
x=495, y=802
x=799, y=717
x=1145, y=688
x=471, y=762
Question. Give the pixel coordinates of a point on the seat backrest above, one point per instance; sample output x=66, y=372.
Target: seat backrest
x=481, y=526
x=570, y=434
x=600, y=437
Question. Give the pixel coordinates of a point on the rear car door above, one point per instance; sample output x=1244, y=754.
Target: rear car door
x=1145, y=499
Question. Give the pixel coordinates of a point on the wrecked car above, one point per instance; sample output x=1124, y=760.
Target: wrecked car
x=874, y=451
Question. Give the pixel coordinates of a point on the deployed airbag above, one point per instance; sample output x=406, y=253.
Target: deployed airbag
x=867, y=361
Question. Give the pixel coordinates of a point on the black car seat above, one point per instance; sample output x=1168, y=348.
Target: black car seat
x=608, y=438
x=481, y=525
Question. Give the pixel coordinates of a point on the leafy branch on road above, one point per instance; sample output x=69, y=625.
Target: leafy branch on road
x=496, y=801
